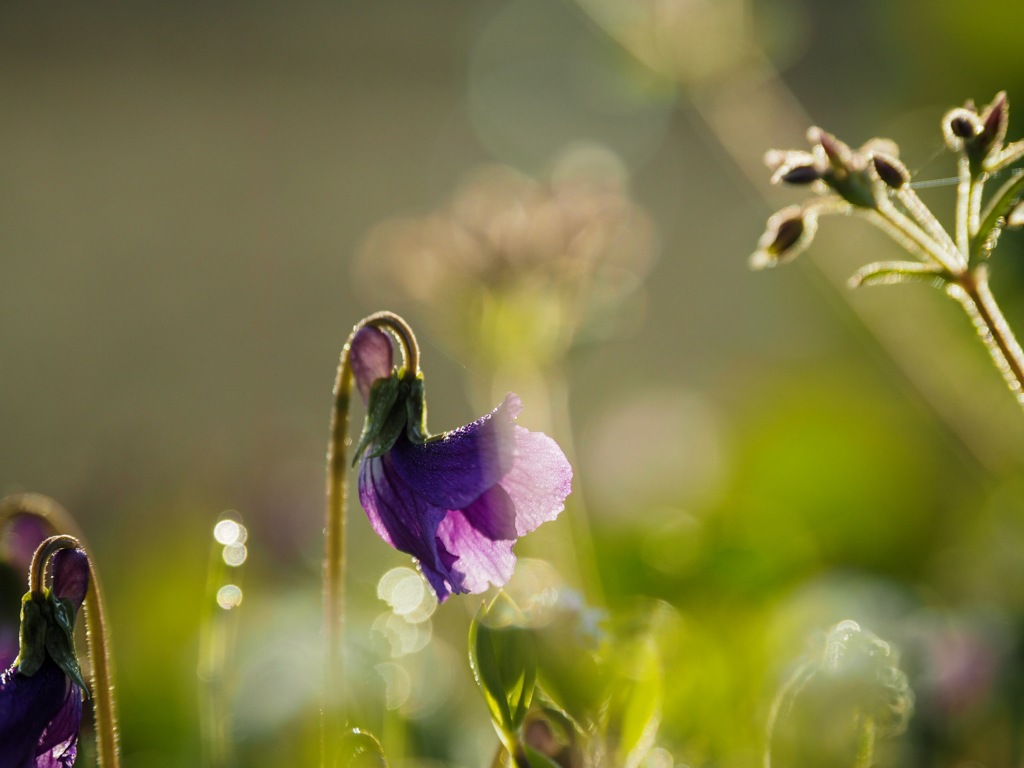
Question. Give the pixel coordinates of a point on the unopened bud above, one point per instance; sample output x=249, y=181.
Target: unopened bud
x=993, y=125
x=789, y=231
x=891, y=171
x=802, y=174
x=837, y=153
x=959, y=125
x=792, y=166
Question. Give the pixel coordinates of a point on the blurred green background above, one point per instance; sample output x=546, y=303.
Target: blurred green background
x=198, y=201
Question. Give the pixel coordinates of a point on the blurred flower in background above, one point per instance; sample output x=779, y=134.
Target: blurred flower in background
x=515, y=269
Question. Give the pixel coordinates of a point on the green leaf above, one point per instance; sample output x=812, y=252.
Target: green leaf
x=538, y=760
x=504, y=662
x=635, y=705
x=572, y=663
x=892, y=272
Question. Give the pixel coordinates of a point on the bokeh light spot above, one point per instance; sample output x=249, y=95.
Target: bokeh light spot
x=404, y=590
x=235, y=554
x=228, y=532
x=397, y=682
x=229, y=596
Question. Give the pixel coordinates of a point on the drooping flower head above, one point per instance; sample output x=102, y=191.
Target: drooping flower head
x=456, y=502
x=41, y=692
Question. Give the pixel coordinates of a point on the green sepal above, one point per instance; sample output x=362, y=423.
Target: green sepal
x=60, y=639
x=416, y=411
x=381, y=415
x=396, y=403
x=48, y=627
x=855, y=186
x=504, y=662
x=32, y=635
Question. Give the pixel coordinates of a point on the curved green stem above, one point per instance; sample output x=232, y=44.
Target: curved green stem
x=104, y=704
x=333, y=696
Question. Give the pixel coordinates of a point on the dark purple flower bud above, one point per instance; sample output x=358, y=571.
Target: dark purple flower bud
x=802, y=174
x=835, y=151
x=371, y=357
x=70, y=575
x=960, y=125
x=789, y=231
x=793, y=167
x=994, y=121
x=456, y=502
x=891, y=171
x=843, y=170
x=40, y=713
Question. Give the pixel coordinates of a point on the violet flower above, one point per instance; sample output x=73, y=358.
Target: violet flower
x=41, y=707
x=456, y=502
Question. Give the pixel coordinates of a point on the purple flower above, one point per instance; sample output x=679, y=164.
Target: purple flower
x=40, y=713
x=456, y=502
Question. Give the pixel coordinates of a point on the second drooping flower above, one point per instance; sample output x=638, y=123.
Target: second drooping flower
x=456, y=502
x=41, y=692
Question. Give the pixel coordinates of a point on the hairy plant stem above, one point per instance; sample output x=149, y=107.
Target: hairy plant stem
x=42, y=555
x=102, y=685
x=971, y=289
x=332, y=716
x=865, y=744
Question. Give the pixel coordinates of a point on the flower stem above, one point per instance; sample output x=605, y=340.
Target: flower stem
x=37, y=571
x=972, y=291
x=865, y=744
x=102, y=688
x=963, y=204
x=332, y=719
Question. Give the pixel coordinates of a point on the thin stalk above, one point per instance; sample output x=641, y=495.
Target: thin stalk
x=102, y=688
x=974, y=206
x=995, y=214
x=866, y=744
x=924, y=216
x=334, y=559
x=332, y=719
x=963, y=204
x=218, y=634
x=37, y=571
x=972, y=291
x=905, y=232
